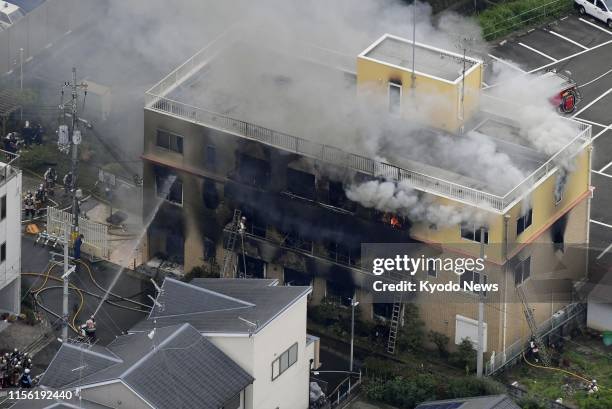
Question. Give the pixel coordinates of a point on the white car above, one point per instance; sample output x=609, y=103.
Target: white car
x=9, y=14
x=600, y=9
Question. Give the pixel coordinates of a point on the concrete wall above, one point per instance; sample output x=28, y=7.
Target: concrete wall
x=10, y=234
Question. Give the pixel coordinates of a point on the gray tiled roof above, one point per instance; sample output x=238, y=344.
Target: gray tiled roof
x=221, y=305
x=57, y=404
x=177, y=365
x=480, y=402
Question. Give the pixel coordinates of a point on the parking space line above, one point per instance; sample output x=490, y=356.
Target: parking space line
x=596, y=79
x=509, y=64
x=591, y=122
x=537, y=52
x=604, y=252
x=570, y=56
x=595, y=25
x=568, y=40
x=602, y=170
x=601, y=224
x=601, y=173
x=592, y=103
x=600, y=132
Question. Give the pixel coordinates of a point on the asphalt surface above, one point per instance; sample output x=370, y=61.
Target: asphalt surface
x=583, y=46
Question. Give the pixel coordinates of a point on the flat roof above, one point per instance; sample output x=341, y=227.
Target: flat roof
x=429, y=61
x=302, y=98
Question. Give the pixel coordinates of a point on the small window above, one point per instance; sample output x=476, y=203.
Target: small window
x=3, y=253
x=3, y=207
x=431, y=268
x=211, y=157
x=472, y=277
x=472, y=232
x=522, y=271
x=301, y=183
x=524, y=222
x=395, y=98
x=284, y=361
x=170, y=141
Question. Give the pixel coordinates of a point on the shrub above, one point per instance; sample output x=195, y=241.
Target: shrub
x=530, y=403
x=412, y=333
x=471, y=386
x=324, y=314
x=380, y=368
x=465, y=357
x=440, y=341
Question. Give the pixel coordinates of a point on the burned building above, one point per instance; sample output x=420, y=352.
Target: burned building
x=265, y=133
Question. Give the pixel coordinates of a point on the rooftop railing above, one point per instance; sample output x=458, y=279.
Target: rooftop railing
x=156, y=99
x=8, y=166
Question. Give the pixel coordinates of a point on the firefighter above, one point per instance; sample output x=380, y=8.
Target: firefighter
x=88, y=330
x=592, y=387
x=77, y=246
x=50, y=179
x=26, y=380
x=67, y=183
x=535, y=351
x=242, y=225
x=29, y=205
x=40, y=199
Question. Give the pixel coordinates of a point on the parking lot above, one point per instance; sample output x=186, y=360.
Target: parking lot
x=583, y=46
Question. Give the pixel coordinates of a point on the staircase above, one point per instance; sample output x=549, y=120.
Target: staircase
x=543, y=351
x=395, y=320
x=229, y=258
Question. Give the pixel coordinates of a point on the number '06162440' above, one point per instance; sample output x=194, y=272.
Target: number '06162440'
x=39, y=394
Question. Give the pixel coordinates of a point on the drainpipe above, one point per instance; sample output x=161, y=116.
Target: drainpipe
x=588, y=221
x=505, y=310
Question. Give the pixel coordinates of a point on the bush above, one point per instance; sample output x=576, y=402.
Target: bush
x=38, y=157
x=503, y=18
x=471, y=386
x=324, y=314
x=530, y=403
x=440, y=341
x=412, y=333
x=380, y=368
x=401, y=392
x=465, y=357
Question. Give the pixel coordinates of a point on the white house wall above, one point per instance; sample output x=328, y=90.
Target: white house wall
x=10, y=233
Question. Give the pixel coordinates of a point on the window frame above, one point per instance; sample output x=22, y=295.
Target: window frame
x=398, y=110
x=485, y=280
x=521, y=222
x=3, y=208
x=286, y=354
x=166, y=199
x=522, y=266
x=473, y=233
x=2, y=252
x=172, y=137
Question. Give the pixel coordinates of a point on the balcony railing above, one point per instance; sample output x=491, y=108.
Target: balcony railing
x=156, y=100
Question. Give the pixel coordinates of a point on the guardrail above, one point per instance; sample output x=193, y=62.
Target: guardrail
x=8, y=165
x=156, y=100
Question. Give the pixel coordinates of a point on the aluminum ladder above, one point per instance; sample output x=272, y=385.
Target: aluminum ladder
x=395, y=320
x=543, y=351
x=229, y=260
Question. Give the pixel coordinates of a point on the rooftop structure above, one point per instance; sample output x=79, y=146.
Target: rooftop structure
x=202, y=91
x=221, y=306
x=430, y=61
x=196, y=374
x=480, y=402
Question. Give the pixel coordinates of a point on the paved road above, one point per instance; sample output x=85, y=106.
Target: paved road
x=583, y=46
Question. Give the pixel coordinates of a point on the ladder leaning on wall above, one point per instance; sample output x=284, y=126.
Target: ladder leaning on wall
x=543, y=351
x=229, y=258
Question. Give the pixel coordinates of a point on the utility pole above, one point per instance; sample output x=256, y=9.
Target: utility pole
x=354, y=303
x=480, y=351
x=70, y=233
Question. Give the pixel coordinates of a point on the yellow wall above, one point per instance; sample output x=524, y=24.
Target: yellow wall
x=434, y=100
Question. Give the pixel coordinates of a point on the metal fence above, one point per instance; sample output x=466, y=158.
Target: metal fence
x=515, y=351
x=8, y=166
x=40, y=28
x=95, y=242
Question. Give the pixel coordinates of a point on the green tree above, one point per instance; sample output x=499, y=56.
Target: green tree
x=412, y=333
x=440, y=341
x=465, y=357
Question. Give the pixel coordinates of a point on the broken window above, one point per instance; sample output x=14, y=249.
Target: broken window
x=558, y=233
x=211, y=157
x=339, y=292
x=523, y=222
x=255, y=224
x=293, y=239
x=472, y=232
x=301, y=183
x=522, y=270
x=254, y=171
x=210, y=193
x=296, y=278
x=343, y=253
x=255, y=268
x=168, y=186
x=474, y=278
x=169, y=141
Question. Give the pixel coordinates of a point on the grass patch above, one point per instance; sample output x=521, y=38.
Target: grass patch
x=504, y=18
